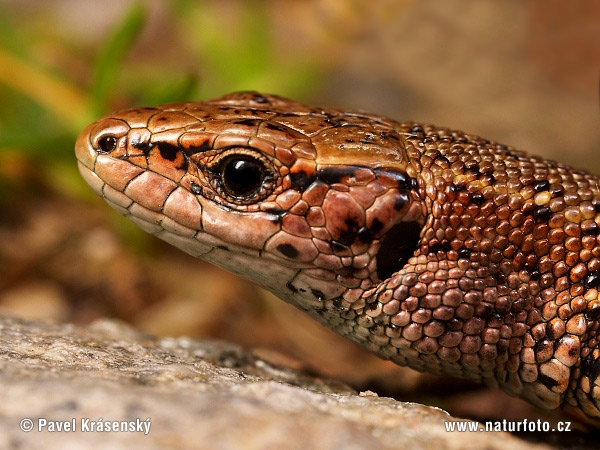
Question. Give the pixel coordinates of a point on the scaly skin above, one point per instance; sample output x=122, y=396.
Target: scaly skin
x=436, y=249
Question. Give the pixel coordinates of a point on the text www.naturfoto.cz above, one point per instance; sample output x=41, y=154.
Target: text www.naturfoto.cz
x=505, y=425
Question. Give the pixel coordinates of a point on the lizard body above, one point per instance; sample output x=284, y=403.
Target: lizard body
x=434, y=248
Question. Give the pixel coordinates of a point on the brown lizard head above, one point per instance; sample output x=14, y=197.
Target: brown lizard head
x=309, y=203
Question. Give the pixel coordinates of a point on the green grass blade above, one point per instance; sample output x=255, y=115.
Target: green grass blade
x=108, y=61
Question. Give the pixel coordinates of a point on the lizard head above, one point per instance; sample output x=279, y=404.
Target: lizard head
x=316, y=205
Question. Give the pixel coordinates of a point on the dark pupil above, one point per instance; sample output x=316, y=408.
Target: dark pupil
x=242, y=177
x=107, y=144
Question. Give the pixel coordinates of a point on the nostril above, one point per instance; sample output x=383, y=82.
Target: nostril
x=107, y=144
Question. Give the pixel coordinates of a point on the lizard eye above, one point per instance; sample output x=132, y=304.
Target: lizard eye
x=242, y=176
x=107, y=144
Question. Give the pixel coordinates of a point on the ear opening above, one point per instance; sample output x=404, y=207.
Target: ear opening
x=397, y=246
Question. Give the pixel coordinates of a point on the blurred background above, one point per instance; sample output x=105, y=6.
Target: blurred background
x=522, y=72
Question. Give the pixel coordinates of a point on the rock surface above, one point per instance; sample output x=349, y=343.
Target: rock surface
x=194, y=394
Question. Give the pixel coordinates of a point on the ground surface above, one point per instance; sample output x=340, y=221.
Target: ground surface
x=193, y=394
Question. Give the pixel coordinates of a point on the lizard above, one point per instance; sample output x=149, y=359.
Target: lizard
x=434, y=248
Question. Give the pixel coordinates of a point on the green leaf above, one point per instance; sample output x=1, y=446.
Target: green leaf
x=107, y=64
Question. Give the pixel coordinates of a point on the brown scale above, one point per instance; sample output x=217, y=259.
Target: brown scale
x=434, y=248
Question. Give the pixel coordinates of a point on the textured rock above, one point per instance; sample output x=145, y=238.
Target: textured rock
x=200, y=394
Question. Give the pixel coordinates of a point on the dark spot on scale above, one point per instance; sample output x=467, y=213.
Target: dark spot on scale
x=529, y=208
x=530, y=265
x=162, y=119
x=596, y=204
x=477, y=198
x=485, y=310
x=591, y=280
x=145, y=147
x=488, y=178
x=276, y=214
x=183, y=165
x=168, y=151
x=401, y=200
x=291, y=287
x=497, y=317
x=590, y=228
x=442, y=161
x=247, y=122
x=454, y=324
x=402, y=179
x=534, y=275
x=376, y=226
x=337, y=246
x=223, y=247
x=318, y=294
x=337, y=302
x=397, y=246
x=590, y=367
x=443, y=246
x=348, y=236
x=541, y=214
x=464, y=253
x=301, y=180
x=288, y=250
x=541, y=186
x=472, y=165
x=364, y=235
x=195, y=188
x=276, y=211
x=276, y=127
x=373, y=306
x=189, y=151
x=500, y=278
x=417, y=129
x=573, y=351
x=332, y=175
x=593, y=313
